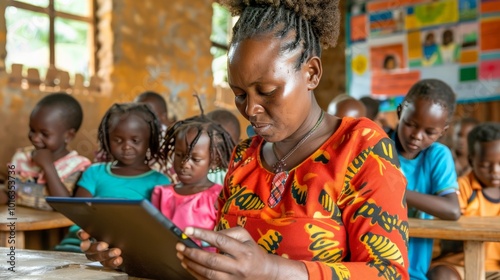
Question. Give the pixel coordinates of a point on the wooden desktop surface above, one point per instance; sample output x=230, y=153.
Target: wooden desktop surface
x=474, y=231
x=24, y=219
x=31, y=219
x=466, y=228
x=33, y=264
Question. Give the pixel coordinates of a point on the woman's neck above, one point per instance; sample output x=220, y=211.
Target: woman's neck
x=325, y=130
x=285, y=145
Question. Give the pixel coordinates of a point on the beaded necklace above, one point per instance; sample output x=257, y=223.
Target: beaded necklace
x=280, y=177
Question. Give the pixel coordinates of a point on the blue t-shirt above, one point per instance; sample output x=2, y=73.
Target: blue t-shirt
x=431, y=172
x=101, y=182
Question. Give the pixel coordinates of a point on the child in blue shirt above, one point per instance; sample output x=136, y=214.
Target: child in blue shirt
x=130, y=136
x=424, y=116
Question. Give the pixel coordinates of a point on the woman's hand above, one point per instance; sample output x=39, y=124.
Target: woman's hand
x=240, y=258
x=99, y=251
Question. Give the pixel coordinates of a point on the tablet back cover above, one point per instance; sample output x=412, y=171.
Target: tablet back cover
x=146, y=237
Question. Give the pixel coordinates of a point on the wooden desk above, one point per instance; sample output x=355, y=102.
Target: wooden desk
x=474, y=231
x=27, y=219
x=33, y=264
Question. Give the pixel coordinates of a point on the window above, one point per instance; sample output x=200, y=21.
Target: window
x=221, y=26
x=51, y=33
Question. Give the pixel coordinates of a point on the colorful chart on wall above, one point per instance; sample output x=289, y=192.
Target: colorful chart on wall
x=391, y=44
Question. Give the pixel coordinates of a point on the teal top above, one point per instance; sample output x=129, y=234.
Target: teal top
x=101, y=182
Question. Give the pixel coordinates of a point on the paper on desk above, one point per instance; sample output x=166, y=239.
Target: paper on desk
x=94, y=264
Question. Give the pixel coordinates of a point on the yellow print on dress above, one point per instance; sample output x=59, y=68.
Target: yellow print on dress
x=299, y=193
x=270, y=241
x=340, y=271
x=242, y=221
x=327, y=203
x=383, y=251
x=244, y=200
x=240, y=150
x=233, y=188
x=355, y=165
x=323, y=246
x=349, y=193
x=388, y=222
x=223, y=224
x=385, y=149
x=322, y=156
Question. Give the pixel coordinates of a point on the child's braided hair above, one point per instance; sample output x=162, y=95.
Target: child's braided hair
x=221, y=143
x=117, y=112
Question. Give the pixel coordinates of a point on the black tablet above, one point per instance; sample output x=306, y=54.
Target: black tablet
x=145, y=236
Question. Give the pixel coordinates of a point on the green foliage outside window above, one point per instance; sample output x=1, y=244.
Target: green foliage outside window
x=221, y=24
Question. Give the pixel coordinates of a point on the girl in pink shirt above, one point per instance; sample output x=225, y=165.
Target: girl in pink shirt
x=196, y=145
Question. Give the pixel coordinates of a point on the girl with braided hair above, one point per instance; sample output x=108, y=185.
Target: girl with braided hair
x=197, y=145
x=310, y=196
x=129, y=137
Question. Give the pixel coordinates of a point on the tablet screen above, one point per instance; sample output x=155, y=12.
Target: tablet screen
x=146, y=237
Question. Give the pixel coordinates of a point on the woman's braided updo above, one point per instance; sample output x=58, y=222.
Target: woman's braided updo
x=315, y=24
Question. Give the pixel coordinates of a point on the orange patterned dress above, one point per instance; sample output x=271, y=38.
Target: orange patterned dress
x=342, y=213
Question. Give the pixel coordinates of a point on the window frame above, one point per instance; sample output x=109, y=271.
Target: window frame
x=52, y=14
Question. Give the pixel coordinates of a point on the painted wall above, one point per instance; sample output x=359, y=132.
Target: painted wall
x=333, y=60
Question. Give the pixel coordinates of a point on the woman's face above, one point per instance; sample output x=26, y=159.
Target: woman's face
x=269, y=91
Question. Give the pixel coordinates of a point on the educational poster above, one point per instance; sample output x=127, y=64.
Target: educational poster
x=387, y=57
x=434, y=13
x=395, y=43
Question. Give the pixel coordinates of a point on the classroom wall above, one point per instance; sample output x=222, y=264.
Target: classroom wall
x=333, y=81
x=146, y=45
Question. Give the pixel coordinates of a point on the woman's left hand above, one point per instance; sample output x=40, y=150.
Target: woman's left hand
x=240, y=257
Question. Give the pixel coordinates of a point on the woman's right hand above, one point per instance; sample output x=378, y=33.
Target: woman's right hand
x=99, y=251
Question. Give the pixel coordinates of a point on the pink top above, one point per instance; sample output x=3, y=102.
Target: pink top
x=198, y=209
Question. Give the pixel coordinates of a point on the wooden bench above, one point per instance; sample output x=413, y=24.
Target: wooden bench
x=474, y=231
x=23, y=219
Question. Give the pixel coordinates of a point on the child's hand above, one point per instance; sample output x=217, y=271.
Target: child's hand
x=42, y=157
x=99, y=251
